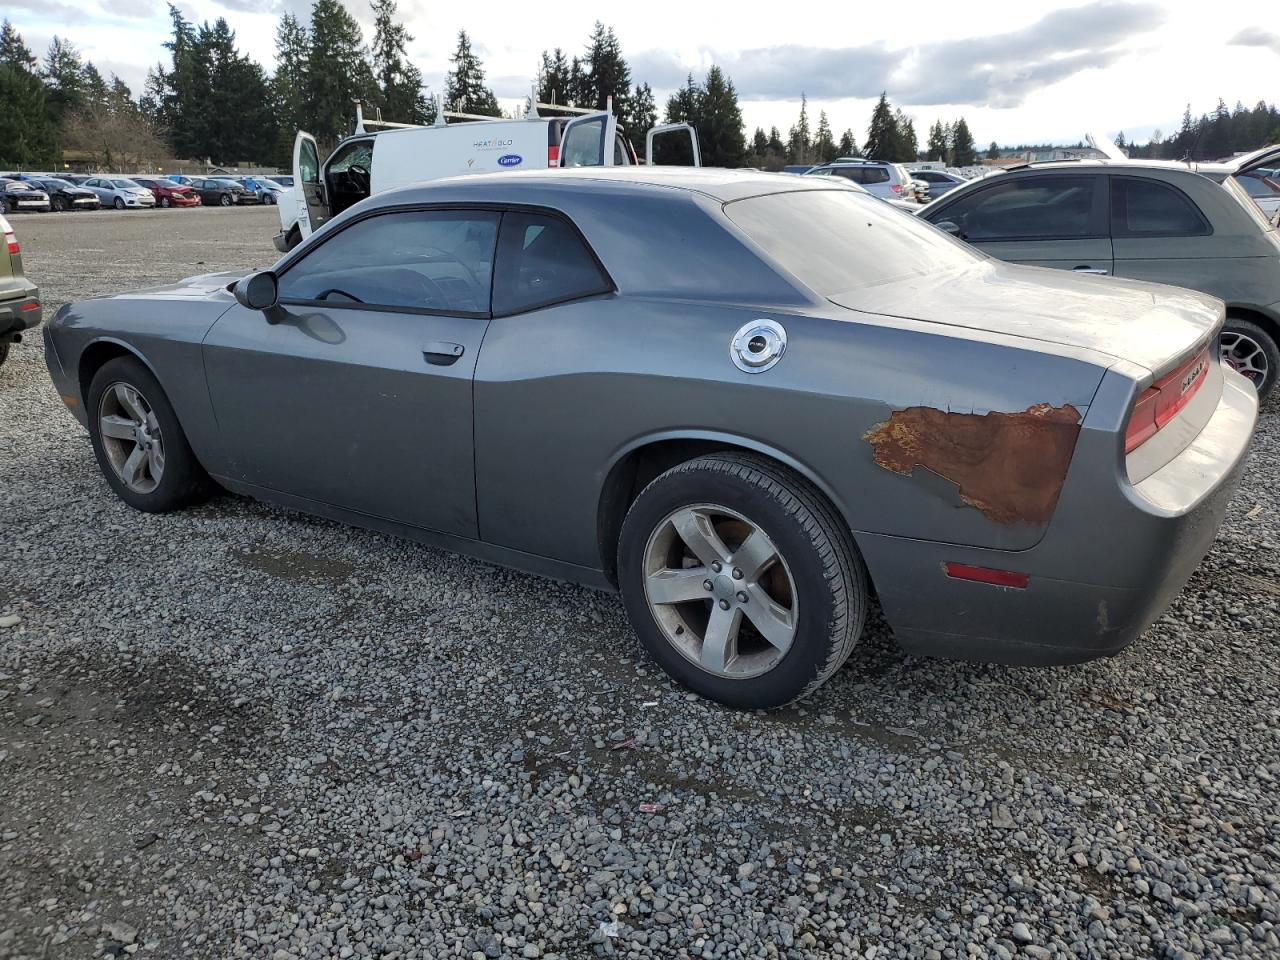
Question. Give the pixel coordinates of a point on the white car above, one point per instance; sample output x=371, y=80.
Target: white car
x=885, y=180
x=120, y=192
x=370, y=162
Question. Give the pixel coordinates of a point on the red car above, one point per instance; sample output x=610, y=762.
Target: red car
x=168, y=193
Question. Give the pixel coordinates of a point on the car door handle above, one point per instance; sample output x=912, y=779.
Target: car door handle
x=1088, y=269
x=441, y=353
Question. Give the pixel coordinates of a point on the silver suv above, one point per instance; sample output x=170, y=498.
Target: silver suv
x=1144, y=219
x=888, y=180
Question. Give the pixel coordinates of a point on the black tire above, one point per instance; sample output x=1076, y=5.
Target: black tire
x=59, y=204
x=119, y=204
x=829, y=576
x=164, y=201
x=4, y=207
x=225, y=200
x=1266, y=343
x=4, y=350
x=183, y=481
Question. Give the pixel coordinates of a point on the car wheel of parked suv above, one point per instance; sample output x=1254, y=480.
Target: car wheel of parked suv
x=740, y=580
x=1250, y=349
x=140, y=446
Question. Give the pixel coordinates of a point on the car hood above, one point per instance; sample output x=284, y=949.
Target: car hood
x=1144, y=323
x=192, y=288
x=78, y=192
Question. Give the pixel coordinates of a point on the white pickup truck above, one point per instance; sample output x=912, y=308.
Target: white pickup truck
x=395, y=154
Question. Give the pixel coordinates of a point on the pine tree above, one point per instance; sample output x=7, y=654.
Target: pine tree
x=338, y=71
x=94, y=87
x=906, y=147
x=799, y=142
x=1120, y=140
x=464, y=88
x=720, y=135
x=399, y=81
x=963, y=153
x=882, y=133
x=606, y=73
x=776, y=145
x=28, y=131
x=993, y=151
x=555, y=78
x=579, y=84
x=63, y=73
x=759, y=142
x=848, y=145
x=824, y=144
x=936, y=147
x=642, y=115
x=289, y=85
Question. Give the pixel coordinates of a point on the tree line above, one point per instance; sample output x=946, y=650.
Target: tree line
x=211, y=101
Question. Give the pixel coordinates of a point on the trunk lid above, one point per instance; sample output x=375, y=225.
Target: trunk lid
x=1145, y=323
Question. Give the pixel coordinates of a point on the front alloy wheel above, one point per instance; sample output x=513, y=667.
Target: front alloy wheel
x=225, y=200
x=131, y=437
x=119, y=204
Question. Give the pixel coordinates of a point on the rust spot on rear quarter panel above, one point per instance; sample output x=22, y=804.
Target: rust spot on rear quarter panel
x=1011, y=466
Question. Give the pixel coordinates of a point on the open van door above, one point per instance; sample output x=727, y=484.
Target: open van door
x=588, y=140
x=313, y=206
x=668, y=128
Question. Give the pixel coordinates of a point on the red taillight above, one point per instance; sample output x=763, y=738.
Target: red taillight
x=30, y=305
x=553, y=156
x=896, y=188
x=11, y=240
x=1000, y=578
x=1162, y=401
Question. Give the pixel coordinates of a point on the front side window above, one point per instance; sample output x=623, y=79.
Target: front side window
x=1041, y=207
x=434, y=260
x=1148, y=208
x=542, y=260
x=308, y=162
x=581, y=146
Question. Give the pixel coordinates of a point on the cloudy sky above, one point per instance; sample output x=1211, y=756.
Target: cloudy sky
x=1018, y=71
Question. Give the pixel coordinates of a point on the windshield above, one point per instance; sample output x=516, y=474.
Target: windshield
x=56, y=184
x=839, y=240
x=126, y=184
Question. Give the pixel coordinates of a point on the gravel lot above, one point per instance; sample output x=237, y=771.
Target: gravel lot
x=242, y=732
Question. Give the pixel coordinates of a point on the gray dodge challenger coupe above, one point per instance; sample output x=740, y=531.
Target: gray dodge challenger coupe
x=746, y=401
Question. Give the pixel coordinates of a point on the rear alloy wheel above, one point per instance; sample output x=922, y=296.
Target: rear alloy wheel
x=164, y=201
x=119, y=204
x=59, y=204
x=140, y=446
x=1252, y=352
x=740, y=580
x=225, y=200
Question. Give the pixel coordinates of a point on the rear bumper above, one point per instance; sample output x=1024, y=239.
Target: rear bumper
x=1108, y=567
x=19, y=314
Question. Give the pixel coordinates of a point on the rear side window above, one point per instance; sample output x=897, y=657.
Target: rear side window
x=862, y=174
x=432, y=260
x=1148, y=208
x=542, y=260
x=835, y=240
x=1030, y=208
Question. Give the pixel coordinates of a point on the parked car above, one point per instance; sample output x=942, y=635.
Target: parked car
x=22, y=196
x=219, y=192
x=20, y=308
x=77, y=178
x=1265, y=190
x=1141, y=219
x=168, y=193
x=121, y=193
x=65, y=195
x=882, y=179
x=282, y=180
x=939, y=181
x=371, y=162
x=762, y=414
x=265, y=190
x=797, y=168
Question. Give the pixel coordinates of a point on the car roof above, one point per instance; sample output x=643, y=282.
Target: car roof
x=714, y=182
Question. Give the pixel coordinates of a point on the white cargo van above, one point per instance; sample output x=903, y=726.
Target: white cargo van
x=371, y=161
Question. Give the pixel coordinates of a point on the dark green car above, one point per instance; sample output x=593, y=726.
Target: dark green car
x=1175, y=223
x=19, y=298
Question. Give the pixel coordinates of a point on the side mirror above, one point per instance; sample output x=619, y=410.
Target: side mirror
x=951, y=227
x=257, y=291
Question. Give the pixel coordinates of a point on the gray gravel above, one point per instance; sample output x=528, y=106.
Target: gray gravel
x=243, y=732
